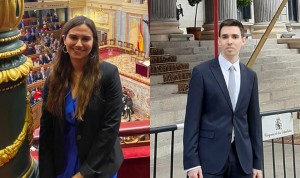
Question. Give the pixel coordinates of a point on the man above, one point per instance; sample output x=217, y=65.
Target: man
x=46, y=59
x=43, y=73
x=31, y=78
x=41, y=60
x=53, y=57
x=21, y=24
x=38, y=75
x=222, y=131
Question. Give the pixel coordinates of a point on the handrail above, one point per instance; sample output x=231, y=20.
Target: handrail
x=281, y=111
x=266, y=34
x=134, y=128
x=128, y=128
x=168, y=128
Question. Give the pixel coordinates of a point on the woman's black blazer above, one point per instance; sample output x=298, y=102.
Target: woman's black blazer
x=97, y=139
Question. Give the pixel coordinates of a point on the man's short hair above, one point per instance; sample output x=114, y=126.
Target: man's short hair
x=232, y=22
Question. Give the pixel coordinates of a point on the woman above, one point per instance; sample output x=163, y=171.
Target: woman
x=82, y=109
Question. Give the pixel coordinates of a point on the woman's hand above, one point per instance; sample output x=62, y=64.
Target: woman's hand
x=78, y=175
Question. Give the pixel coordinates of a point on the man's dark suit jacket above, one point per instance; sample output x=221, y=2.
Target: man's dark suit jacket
x=31, y=78
x=210, y=118
x=97, y=140
x=38, y=75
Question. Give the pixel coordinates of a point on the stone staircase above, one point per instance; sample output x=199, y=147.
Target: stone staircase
x=165, y=69
x=277, y=68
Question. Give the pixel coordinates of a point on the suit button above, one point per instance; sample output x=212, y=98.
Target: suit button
x=78, y=137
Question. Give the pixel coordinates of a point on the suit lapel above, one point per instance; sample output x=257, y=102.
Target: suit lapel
x=217, y=72
x=243, y=86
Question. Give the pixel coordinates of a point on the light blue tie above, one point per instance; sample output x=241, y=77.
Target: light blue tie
x=231, y=90
x=231, y=86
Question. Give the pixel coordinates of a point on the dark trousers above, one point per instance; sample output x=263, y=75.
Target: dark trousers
x=232, y=168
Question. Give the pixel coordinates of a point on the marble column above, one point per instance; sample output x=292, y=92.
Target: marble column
x=61, y=15
x=163, y=19
x=208, y=32
x=264, y=10
x=227, y=9
x=298, y=14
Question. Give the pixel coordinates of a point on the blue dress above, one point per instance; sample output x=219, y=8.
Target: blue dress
x=72, y=162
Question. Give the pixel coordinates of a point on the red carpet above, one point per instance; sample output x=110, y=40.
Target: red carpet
x=109, y=52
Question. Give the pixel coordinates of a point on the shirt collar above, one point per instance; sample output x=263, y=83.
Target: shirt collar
x=225, y=64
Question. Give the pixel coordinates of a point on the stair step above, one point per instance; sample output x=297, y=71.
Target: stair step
x=167, y=68
x=248, y=42
x=177, y=81
x=176, y=76
x=156, y=79
x=170, y=72
x=156, y=51
x=292, y=101
x=271, y=59
x=194, y=58
x=181, y=37
x=287, y=40
x=164, y=63
x=162, y=59
x=189, y=50
x=175, y=44
x=167, y=117
x=168, y=103
x=270, y=52
x=273, y=84
x=163, y=89
x=183, y=87
x=252, y=47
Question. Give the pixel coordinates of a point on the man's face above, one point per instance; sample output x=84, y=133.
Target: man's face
x=231, y=41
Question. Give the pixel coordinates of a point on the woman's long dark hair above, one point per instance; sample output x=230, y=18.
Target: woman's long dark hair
x=61, y=74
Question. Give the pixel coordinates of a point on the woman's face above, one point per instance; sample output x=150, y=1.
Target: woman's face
x=79, y=43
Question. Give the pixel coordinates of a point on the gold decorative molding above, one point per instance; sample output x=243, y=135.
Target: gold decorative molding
x=13, y=52
x=76, y=12
x=135, y=139
x=101, y=17
x=135, y=8
x=28, y=172
x=77, y=3
x=54, y=4
x=10, y=38
x=118, y=5
x=99, y=28
x=16, y=73
x=10, y=151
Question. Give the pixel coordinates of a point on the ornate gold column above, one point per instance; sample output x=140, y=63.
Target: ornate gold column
x=163, y=20
x=15, y=115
